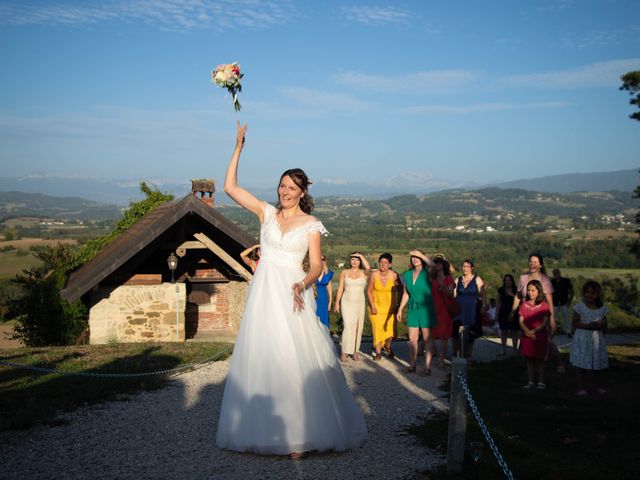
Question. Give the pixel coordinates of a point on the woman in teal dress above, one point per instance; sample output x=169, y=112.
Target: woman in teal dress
x=421, y=314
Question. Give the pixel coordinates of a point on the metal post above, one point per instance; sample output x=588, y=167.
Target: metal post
x=457, y=418
x=177, y=304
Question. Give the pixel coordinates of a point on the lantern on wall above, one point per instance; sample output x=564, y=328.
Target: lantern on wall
x=172, y=263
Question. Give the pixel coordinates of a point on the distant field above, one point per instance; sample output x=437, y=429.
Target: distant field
x=600, y=272
x=12, y=263
x=27, y=243
x=588, y=234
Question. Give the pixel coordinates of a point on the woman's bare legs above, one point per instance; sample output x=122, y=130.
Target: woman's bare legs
x=414, y=333
x=426, y=334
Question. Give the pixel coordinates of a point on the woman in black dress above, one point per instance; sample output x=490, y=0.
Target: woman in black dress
x=509, y=327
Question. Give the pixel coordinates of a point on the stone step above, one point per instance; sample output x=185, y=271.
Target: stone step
x=213, y=336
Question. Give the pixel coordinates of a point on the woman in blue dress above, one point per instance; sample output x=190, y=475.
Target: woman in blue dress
x=324, y=290
x=469, y=289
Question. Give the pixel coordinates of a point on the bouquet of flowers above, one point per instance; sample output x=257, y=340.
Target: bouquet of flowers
x=228, y=76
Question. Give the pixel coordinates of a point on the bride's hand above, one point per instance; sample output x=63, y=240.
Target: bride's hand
x=241, y=132
x=298, y=300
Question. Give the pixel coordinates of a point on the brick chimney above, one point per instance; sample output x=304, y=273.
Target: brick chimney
x=206, y=188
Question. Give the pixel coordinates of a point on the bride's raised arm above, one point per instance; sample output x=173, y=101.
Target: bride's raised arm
x=241, y=196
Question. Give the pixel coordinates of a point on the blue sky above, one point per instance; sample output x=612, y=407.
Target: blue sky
x=349, y=91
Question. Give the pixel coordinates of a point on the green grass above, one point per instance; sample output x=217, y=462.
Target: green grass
x=600, y=273
x=29, y=398
x=551, y=434
x=11, y=263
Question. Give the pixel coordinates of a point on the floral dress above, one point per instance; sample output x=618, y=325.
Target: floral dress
x=589, y=347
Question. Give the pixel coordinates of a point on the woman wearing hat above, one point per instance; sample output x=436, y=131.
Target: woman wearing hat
x=442, y=286
x=350, y=299
x=421, y=316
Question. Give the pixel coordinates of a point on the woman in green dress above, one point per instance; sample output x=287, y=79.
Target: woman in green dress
x=421, y=314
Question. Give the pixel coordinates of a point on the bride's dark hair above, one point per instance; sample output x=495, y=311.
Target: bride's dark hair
x=302, y=181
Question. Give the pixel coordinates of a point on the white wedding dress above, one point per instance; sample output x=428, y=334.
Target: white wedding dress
x=285, y=391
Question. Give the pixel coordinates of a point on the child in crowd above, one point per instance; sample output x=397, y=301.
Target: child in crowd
x=589, y=348
x=491, y=326
x=534, y=318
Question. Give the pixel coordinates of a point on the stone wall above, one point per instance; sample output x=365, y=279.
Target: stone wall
x=138, y=313
x=238, y=292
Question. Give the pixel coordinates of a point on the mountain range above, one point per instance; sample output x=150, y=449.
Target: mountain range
x=122, y=191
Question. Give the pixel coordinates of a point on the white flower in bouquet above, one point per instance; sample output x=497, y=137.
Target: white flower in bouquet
x=228, y=76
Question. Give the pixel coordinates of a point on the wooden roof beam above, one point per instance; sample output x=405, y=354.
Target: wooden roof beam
x=228, y=259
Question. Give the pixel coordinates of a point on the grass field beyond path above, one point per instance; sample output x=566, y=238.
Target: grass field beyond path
x=552, y=434
x=28, y=398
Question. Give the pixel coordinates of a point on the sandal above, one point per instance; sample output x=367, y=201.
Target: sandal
x=343, y=357
x=541, y=386
x=296, y=455
x=377, y=357
x=410, y=369
x=529, y=386
x=426, y=372
x=356, y=357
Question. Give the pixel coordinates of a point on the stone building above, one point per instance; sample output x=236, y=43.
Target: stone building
x=129, y=287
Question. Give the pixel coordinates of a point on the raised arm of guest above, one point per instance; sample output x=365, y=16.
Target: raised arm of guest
x=423, y=256
x=365, y=264
x=246, y=255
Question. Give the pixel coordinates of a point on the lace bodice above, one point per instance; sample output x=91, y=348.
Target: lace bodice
x=287, y=248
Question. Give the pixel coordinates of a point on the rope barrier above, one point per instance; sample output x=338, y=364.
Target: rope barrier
x=485, y=431
x=181, y=368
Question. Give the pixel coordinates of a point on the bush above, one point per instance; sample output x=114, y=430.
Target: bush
x=43, y=317
x=9, y=292
x=619, y=320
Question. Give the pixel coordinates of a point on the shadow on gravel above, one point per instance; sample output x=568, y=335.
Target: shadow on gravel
x=44, y=396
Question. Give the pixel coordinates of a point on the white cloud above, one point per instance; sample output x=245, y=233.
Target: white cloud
x=602, y=74
x=375, y=16
x=594, y=38
x=325, y=101
x=420, y=82
x=482, y=107
x=162, y=14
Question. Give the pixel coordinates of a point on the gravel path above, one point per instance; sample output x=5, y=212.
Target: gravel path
x=170, y=433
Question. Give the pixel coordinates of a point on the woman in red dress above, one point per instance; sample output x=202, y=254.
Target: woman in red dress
x=534, y=318
x=442, y=285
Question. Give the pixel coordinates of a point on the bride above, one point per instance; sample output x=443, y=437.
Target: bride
x=285, y=392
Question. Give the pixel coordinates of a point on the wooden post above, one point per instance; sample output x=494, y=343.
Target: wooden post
x=215, y=248
x=457, y=418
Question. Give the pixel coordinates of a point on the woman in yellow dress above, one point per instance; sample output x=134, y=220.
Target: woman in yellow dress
x=383, y=303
